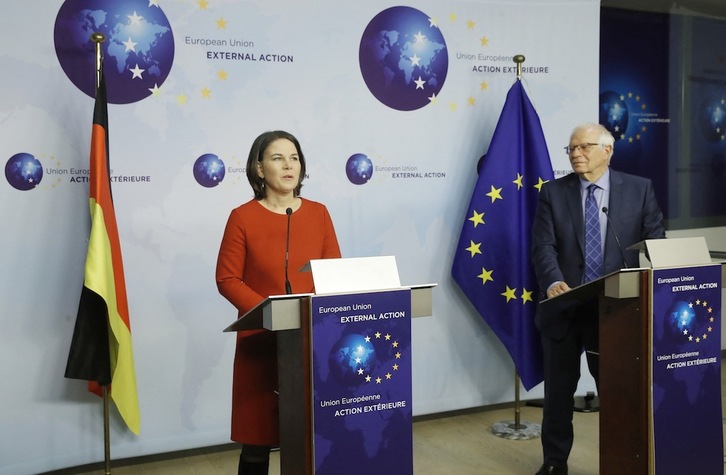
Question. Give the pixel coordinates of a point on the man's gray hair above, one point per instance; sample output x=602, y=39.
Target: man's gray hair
x=605, y=138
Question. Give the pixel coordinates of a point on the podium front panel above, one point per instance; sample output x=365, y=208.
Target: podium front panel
x=362, y=388
x=686, y=370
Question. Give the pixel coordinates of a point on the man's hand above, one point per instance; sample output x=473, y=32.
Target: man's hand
x=557, y=288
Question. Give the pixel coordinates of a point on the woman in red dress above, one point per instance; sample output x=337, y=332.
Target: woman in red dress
x=251, y=267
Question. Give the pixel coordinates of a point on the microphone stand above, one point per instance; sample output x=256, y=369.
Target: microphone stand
x=617, y=241
x=288, y=288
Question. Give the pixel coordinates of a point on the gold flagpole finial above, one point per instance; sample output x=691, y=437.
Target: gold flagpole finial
x=98, y=38
x=519, y=59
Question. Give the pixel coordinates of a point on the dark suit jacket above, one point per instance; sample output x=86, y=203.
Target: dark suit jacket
x=558, y=235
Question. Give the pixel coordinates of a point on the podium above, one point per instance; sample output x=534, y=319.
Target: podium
x=367, y=283
x=660, y=356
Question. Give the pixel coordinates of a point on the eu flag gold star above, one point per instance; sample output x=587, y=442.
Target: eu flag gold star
x=518, y=181
x=509, y=294
x=526, y=296
x=539, y=184
x=477, y=218
x=474, y=248
x=486, y=275
x=495, y=194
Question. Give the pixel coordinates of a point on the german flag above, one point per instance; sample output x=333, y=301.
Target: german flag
x=101, y=351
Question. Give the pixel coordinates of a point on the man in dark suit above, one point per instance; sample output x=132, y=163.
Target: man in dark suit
x=567, y=252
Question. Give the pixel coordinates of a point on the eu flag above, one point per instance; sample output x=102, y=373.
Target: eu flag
x=492, y=260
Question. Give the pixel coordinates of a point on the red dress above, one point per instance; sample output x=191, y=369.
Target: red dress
x=251, y=267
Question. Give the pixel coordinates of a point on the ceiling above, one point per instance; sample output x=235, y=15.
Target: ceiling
x=704, y=7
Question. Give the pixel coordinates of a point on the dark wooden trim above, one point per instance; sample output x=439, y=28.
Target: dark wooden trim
x=624, y=383
x=295, y=388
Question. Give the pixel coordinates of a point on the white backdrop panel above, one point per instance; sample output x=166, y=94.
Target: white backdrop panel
x=170, y=226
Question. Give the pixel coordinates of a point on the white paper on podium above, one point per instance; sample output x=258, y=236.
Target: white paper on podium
x=354, y=274
x=678, y=252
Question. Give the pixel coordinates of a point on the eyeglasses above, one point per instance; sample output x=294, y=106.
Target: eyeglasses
x=584, y=147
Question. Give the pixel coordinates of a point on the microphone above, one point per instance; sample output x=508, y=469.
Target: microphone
x=617, y=241
x=288, y=288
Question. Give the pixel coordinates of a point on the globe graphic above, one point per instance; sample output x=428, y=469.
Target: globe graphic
x=712, y=119
x=403, y=58
x=138, y=51
x=23, y=171
x=681, y=317
x=614, y=113
x=209, y=170
x=359, y=169
x=351, y=358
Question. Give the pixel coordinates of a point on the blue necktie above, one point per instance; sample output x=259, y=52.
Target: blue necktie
x=593, y=243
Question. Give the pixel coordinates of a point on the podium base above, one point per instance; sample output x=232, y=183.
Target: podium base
x=510, y=430
x=586, y=403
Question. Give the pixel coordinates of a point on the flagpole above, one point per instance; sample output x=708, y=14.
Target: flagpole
x=99, y=38
x=106, y=435
x=517, y=405
x=519, y=59
x=517, y=430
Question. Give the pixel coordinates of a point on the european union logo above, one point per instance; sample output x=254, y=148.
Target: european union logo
x=693, y=321
x=492, y=260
